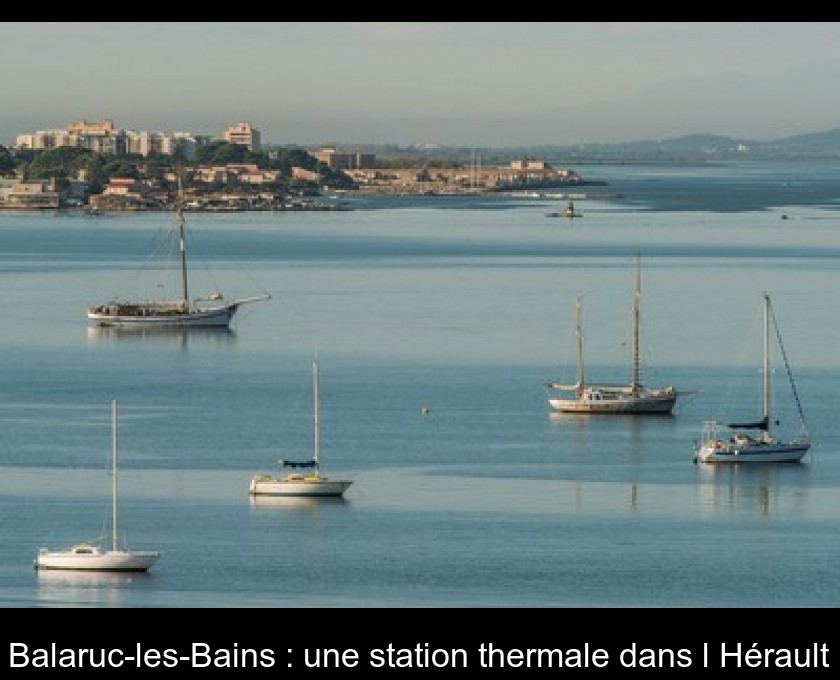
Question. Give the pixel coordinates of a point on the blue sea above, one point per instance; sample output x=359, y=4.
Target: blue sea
x=437, y=322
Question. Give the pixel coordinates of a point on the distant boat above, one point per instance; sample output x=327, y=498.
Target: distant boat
x=569, y=211
x=91, y=555
x=734, y=443
x=632, y=398
x=211, y=311
x=311, y=483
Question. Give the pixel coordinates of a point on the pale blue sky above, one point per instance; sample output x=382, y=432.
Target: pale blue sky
x=474, y=84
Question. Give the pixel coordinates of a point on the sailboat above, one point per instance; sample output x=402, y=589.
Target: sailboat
x=311, y=483
x=212, y=311
x=569, y=211
x=632, y=398
x=753, y=442
x=91, y=555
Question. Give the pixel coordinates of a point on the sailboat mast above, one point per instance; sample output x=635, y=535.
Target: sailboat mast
x=114, y=533
x=579, y=336
x=179, y=216
x=766, y=362
x=315, y=411
x=637, y=294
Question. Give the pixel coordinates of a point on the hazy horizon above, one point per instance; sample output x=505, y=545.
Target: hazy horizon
x=489, y=84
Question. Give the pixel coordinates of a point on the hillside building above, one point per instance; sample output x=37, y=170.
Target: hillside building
x=244, y=134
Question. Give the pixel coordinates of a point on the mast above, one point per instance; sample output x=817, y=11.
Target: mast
x=179, y=217
x=579, y=336
x=634, y=378
x=315, y=411
x=766, y=362
x=114, y=535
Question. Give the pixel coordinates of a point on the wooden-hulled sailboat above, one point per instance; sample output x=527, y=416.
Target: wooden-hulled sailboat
x=208, y=312
x=632, y=398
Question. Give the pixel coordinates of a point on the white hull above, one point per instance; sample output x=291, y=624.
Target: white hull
x=211, y=318
x=94, y=558
x=771, y=453
x=715, y=447
x=268, y=485
x=594, y=401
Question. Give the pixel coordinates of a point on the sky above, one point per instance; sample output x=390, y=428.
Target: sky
x=490, y=84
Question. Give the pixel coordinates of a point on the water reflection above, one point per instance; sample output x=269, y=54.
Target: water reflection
x=305, y=503
x=769, y=488
x=179, y=337
x=95, y=588
x=631, y=430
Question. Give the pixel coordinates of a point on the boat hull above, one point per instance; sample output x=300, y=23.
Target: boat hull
x=96, y=560
x=618, y=404
x=267, y=485
x=719, y=452
x=210, y=318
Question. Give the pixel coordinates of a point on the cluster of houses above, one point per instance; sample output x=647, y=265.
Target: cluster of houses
x=128, y=193
x=28, y=195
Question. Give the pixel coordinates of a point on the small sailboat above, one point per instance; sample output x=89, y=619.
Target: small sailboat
x=569, y=211
x=631, y=399
x=91, y=555
x=753, y=442
x=311, y=483
x=212, y=311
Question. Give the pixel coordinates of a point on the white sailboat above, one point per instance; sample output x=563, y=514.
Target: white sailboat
x=208, y=312
x=734, y=443
x=91, y=555
x=311, y=483
x=632, y=398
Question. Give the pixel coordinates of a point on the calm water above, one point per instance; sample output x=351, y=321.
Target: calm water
x=463, y=306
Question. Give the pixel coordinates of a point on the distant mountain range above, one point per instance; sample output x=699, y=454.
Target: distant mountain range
x=814, y=143
x=686, y=148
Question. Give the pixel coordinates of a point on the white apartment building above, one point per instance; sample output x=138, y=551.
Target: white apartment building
x=107, y=138
x=243, y=133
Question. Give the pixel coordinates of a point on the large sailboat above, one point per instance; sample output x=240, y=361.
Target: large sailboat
x=91, y=555
x=632, y=398
x=753, y=442
x=212, y=311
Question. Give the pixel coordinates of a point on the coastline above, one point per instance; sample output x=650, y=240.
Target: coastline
x=334, y=200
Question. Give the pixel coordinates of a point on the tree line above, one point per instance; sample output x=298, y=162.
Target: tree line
x=67, y=163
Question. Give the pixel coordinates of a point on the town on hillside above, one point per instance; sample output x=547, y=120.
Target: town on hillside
x=98, y=166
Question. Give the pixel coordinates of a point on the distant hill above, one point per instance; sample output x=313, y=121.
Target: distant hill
x=819, y=143
x=812, y=143
x=686, y=148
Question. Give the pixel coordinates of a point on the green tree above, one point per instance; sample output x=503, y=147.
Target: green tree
x=221, y=152
x=121, y=168
x=62, y=163
x=7, y=162
x=285, y=159
x=95, y=174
